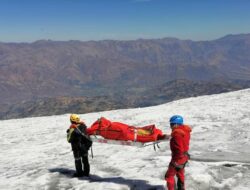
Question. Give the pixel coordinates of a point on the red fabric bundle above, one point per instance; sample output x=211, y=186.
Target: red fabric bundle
x=121, y=131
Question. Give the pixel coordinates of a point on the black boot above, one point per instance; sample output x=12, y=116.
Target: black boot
x=180, y=185
x=78, y=174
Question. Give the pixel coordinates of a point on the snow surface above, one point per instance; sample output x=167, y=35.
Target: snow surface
x=34, y=152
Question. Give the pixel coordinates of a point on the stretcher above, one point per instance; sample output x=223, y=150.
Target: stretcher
x=106, y=131
x=123, y=132
x=155, y=144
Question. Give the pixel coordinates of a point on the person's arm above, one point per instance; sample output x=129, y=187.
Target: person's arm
x=164, y=136
x=167, y=136
x=177, y=144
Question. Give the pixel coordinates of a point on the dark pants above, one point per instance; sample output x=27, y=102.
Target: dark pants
x=81, y=163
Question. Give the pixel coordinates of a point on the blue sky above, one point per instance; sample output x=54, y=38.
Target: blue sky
x=31, y=20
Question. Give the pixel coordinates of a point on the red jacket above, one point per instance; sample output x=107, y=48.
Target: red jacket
x=179, y=144
x=75, y=125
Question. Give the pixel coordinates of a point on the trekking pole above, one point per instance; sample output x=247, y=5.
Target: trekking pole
x=92, y=153
x=157, y=144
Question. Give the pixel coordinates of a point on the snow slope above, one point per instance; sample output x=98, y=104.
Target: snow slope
x=34, y=152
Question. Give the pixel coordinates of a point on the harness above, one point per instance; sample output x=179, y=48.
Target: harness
x=181, y=166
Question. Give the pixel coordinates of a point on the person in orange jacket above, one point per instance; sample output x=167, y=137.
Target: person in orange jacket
x=80, y=143
x=179, y=145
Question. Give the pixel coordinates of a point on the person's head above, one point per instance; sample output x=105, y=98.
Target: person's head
x=175, y=121
x=74, y=118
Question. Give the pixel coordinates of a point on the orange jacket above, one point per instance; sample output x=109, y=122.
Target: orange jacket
x=179, y=144
x=75, y=125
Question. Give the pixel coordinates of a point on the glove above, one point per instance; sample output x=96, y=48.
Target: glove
x=165, y=136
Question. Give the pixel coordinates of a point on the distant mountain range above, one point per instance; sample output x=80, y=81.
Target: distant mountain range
x=167, y=92
x=50, y=77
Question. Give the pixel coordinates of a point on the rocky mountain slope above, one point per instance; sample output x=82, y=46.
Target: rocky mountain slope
x=173, y=90
x=45, y=70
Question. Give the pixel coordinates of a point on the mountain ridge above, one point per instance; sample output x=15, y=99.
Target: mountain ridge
x=50, y=69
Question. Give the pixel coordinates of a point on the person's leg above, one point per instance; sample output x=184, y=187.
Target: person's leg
x=86, y=167
x=169, y=177
x=181, y=179
x=78, y=164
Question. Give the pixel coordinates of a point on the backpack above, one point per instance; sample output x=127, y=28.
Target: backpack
x=88, y=143
x=86, y=139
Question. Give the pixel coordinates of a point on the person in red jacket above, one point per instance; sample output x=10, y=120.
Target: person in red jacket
x=179, y=145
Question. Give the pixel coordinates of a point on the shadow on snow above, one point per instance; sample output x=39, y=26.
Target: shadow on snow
x=134, y=184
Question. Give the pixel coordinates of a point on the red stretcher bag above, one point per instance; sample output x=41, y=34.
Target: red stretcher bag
x=121, y=131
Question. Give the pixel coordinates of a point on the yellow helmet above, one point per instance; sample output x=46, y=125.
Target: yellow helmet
x=74, y=118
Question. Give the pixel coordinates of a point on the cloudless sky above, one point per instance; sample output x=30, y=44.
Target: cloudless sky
x=31, y=20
